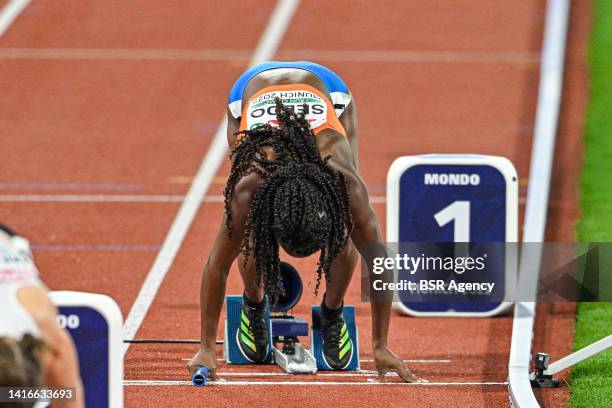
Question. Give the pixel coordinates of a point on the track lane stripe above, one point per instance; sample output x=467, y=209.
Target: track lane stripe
x=363, y=56
x=424, y=361
x=132, y=198
x=71, y=186
x=10, y=12
x=361, y=373
x=266, y=48
x=317, y=383
x=123, y=198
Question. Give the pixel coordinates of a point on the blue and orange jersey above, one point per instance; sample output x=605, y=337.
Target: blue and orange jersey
x=338, y=91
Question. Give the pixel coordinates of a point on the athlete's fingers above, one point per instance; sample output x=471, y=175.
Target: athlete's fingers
x=407, y=375
x=212, y=371
x=192, y=367
x=213, y=374
x=381, y=375
x=404, y=373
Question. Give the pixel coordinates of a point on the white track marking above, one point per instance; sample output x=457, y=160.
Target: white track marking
x=128, y=198
x=550, y=89
x=376, y=56
x=348, y=374
x=121, y=198
x=101, y=198
x=10, y=12
x=378, y=199
x=369, y=360
x=266, y=48
x=317, y=383
x=409, y=56
x=275, y=30
x=424, y=361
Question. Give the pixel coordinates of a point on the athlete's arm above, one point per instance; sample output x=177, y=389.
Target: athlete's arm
x=348, y=120
x=367, y=238
x=212, y=289
x=59, y=359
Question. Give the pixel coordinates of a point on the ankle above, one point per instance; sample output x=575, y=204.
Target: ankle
x=330, y=313
x=253, y=304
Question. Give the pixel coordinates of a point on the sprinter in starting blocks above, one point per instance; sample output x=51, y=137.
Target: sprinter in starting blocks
x=285, y=330
x=294, y=184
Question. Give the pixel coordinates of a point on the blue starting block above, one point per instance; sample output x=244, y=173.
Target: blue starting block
x=286, y=329
x=95, y=323
x=231, y=350
x=289, y=326
x=282, y=328
x=316, y=339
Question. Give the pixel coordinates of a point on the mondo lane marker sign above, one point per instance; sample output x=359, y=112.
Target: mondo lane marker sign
x=451, y=198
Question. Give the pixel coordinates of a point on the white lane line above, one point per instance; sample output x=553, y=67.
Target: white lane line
x=317, y=383
x=100, y=198
x=266, y=48
x=131, y=198
x=10, y=12
x=411, y=56
x=121, y=198
x=424, y=361
x=125, y=54
x=70, y=186
x=361, y=373
x=379, y=56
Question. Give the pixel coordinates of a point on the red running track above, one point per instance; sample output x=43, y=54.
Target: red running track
x=85, y=119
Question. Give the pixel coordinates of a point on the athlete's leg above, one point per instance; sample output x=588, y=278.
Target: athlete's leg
x=341, y=273
x=337, y=344
x=252, y=335
x=253, y=291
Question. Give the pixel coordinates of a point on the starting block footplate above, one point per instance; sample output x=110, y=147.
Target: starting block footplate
x=316, y=339
x=231, y=350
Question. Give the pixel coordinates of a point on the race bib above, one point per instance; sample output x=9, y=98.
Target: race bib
x=16, y=267
x=262, y=109
x=16, y=263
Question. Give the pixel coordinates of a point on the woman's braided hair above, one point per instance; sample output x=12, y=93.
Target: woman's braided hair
x=302, y=203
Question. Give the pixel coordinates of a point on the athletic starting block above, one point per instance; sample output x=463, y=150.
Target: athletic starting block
x=282, y=328
x=316, y=339
x=95, y=323
x=286, y=329
x=231, y=350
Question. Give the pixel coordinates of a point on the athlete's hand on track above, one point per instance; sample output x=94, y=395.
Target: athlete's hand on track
x=204, y=357
x=385, y=360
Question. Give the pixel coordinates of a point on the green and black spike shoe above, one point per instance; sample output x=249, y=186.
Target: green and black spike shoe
x=252, y=336
x=337, y=344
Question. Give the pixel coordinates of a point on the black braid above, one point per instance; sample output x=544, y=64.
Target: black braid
x=302, y=203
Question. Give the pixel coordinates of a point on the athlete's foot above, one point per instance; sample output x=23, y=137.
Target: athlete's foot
x=252, y=336
x=337, y=344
